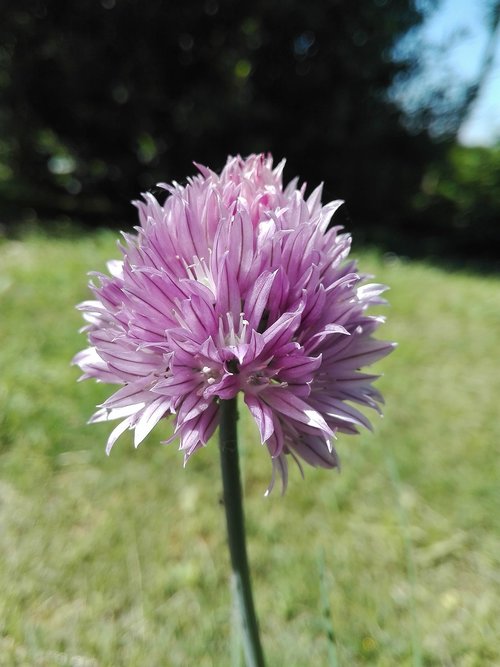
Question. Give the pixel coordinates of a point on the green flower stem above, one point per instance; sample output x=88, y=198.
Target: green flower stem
x=233, y=503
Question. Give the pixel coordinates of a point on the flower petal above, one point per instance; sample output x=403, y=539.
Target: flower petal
x=117, y=432
x=263, y=416
x=291, y=406
x=149, y=417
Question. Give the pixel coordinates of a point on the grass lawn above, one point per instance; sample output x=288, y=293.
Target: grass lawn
x=122, y=561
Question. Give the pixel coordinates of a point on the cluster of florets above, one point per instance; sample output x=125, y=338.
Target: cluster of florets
x=235, y=284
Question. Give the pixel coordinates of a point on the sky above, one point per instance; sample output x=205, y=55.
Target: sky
x=462, y=25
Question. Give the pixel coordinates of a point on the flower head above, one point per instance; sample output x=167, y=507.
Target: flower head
x=236, y=284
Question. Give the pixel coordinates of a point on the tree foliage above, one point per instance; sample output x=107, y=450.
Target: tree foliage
x=101, y=100
x=461, y=195
x=435, y=91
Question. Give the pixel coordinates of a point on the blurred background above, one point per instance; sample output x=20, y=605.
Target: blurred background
x=122, y=560
x=394, y=104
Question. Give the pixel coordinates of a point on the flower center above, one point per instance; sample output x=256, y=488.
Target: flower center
x=233, y=366
x=258, y=379
x=199, y=270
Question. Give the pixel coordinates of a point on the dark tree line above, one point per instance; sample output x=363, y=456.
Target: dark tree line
x=102, y=99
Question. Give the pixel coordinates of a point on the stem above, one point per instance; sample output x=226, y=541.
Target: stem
x=233, y=504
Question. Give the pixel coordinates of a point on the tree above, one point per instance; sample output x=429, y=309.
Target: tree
x=101, y=100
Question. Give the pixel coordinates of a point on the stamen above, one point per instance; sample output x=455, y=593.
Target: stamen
x=198, y=270
x=211, y=375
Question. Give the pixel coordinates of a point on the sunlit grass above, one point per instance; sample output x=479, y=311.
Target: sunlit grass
x=123, y=561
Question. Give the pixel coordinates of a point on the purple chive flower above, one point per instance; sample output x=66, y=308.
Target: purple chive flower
x=236, y=284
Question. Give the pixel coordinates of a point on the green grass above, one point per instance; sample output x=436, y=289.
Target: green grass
x=118, y=561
